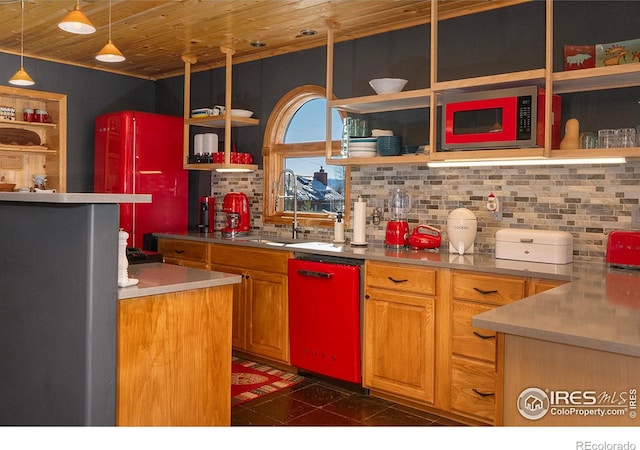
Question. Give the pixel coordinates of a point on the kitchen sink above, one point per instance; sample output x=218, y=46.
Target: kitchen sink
x=324, y=246
x=267, y=242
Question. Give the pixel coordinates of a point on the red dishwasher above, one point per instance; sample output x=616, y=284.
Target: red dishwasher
x=324, y=316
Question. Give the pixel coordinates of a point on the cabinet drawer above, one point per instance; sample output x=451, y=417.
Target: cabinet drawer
x=273, y=261
x=473, y=387
x=487, y=289
x=399, y=277
x=186, y=263
x=179, y=249
x=467, y=339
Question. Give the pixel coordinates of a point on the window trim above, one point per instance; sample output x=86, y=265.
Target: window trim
x=274, y=151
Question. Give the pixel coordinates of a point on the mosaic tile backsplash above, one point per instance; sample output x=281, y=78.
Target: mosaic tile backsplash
x=586, y=201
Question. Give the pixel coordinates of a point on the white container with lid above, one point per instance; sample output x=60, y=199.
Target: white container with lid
x=545, y=246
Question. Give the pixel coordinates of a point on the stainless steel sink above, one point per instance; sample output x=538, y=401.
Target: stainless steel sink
x=324, y=246
x=267, y=242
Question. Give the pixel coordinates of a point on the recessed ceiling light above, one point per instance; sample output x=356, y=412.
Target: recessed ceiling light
x=308, y=32
x=258, y=44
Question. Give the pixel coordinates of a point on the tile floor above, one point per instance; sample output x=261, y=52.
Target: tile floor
x=317, y=402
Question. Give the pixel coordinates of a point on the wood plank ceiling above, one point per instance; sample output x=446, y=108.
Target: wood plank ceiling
x=154, y=35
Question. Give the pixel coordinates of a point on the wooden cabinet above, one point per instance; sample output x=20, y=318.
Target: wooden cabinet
x=184, y=252
x=174, y=359
x=557, y=82
x=18, y=163
x=473, y=350
x=536, y=285
x=222, y=122
x=399, y=330
x=260, y=302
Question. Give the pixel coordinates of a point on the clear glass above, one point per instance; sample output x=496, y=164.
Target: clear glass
x=608, y=138
x=588, y=140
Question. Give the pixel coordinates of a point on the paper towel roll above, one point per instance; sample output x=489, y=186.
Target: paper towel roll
x=210, y=143
x=359, y=222
x=198, y=144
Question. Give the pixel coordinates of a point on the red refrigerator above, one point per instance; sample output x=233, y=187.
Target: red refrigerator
x=141, y=153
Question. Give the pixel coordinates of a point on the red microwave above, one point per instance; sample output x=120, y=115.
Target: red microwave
x=503, y=118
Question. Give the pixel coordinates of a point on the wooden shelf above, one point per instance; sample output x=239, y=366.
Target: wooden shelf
x=220, y=122
x=22, y=124
x=627, y=152
x=503, y=80
x=230, y=167
x=381, y=160
x=515, y=153
x=597, y=78
x=386, y=102
x=26, y=149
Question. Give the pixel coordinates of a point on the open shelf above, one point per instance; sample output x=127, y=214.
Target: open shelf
x=219, y=121
x=597, y=78
x=385, y=102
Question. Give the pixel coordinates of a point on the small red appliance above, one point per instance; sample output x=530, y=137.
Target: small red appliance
x=236, y=207
x=206, y=214
x=502, y=118
x=398, y=227
x=397, y=233
x=425, y=236
x=623, y=249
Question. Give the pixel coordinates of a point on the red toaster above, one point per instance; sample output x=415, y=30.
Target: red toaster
x=623, y=249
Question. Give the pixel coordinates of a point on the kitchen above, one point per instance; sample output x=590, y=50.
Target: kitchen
x=587, y=200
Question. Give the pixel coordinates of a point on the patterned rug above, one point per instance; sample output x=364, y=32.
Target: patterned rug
x=250, y=380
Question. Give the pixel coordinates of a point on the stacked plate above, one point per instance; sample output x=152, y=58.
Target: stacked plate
x=362, y=147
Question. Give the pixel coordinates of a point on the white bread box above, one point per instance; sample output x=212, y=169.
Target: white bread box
x=554, y=247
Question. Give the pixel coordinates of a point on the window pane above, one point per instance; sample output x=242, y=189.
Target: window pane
x=320, y=188
x=308, y=124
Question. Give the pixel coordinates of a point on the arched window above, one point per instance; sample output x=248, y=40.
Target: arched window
x=295, y=139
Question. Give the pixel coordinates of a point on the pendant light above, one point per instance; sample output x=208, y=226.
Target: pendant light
x=110, y=52
x=21, y=77
x=76, y=22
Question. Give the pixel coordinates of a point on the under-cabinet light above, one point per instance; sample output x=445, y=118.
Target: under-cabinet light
x=526, y=162
x=233, y=169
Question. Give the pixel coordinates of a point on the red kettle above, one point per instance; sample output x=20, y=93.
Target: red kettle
x=425, y=236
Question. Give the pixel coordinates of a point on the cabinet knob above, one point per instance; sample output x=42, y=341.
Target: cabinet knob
x=247, y=277
x=367, y=296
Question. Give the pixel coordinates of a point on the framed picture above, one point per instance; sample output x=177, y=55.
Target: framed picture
x=615, y=53
x=579, y=57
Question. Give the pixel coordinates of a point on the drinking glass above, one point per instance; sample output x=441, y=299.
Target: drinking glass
x=588, y=140
x=608, y=138
x=626, y=137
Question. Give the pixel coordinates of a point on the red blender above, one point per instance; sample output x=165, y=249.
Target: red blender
x=397, y=234
x=236, y=206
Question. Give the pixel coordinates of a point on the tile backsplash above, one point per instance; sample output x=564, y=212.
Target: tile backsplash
x=586, y=201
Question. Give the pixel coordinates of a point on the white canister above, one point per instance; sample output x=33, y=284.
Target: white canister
x=198, y=144
x=210, y=143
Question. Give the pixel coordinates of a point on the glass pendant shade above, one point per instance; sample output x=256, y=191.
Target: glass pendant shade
x=110, y=53
x=76, y=22
x=21, y=78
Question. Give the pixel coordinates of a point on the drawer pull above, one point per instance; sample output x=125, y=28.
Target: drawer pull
x=178, y=251
x=397, y=281
x=482, y=394
x=313, y=273
x=484, y=336
x=485, y=292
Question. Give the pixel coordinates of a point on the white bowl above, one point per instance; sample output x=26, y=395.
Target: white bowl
x=241, y=113
x=387, y=85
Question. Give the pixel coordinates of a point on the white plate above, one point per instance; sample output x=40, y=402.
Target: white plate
x=361, y=154
x=241, y=113
x=372, y=146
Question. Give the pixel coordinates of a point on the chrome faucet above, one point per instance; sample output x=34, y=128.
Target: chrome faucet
x=295, y=226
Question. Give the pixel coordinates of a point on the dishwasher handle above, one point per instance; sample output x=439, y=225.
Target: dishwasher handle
x=313, y=273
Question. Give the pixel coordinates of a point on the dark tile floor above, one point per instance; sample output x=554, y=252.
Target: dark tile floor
x=318, y=402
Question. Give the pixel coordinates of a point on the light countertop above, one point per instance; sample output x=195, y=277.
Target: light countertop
x=598, y=308
x=159, y=278
x=73, y=197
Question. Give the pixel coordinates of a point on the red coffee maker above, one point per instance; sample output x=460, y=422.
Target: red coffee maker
x=206, y=215
x=236, y=207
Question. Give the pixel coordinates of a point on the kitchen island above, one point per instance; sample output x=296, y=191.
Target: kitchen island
x=174, y=347
x=59, y=311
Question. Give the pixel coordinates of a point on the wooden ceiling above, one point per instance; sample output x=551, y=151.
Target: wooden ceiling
x=154, y=35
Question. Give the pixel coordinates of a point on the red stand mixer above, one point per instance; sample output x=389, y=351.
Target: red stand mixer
x=236, y=207
x=398, y=228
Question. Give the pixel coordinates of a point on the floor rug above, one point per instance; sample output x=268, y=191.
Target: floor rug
x=250, y=380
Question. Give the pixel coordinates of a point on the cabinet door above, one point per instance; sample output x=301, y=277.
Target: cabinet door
x=399, y=344
x=267, y=313
x=535, y=286
x=238, y=327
